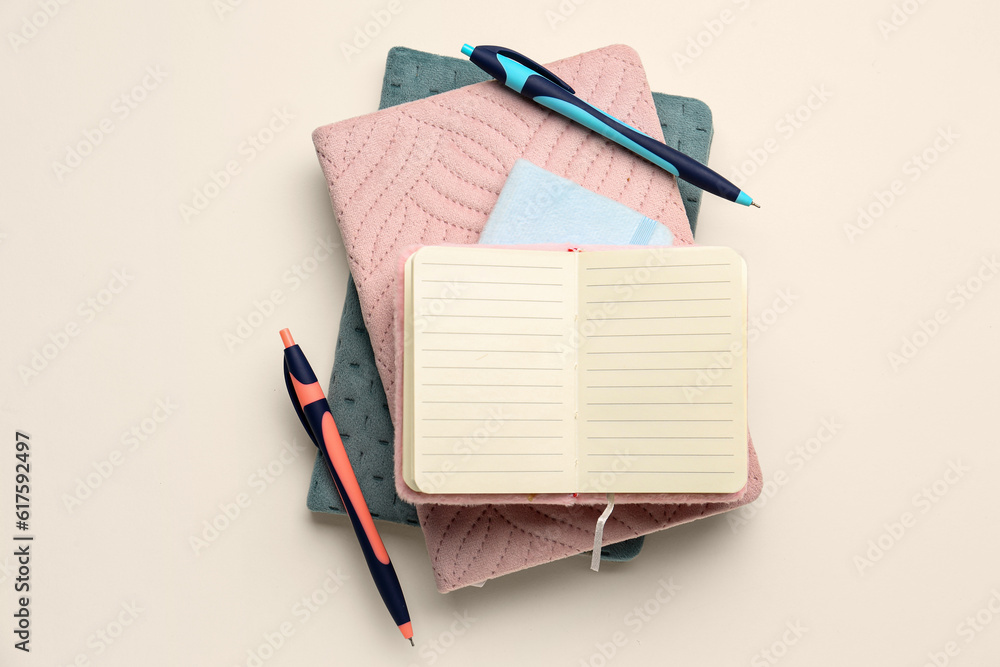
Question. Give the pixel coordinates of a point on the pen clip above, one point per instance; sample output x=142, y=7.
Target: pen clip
x=538, y=69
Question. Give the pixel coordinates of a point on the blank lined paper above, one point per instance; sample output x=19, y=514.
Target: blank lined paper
x=494, y=387
x=662, y=370
x=529, y=371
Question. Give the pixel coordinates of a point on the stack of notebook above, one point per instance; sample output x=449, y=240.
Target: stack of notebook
x=430, y=172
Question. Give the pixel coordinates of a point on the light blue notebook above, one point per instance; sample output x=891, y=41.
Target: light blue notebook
x=536, y=206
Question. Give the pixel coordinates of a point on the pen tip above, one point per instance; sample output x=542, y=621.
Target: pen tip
x=753, y=203
x=411, y=642
x=286, y=338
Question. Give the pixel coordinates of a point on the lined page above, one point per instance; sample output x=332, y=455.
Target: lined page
x=662, y=393
x=493, y=371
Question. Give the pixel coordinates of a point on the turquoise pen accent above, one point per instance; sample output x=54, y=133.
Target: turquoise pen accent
x=525, y=76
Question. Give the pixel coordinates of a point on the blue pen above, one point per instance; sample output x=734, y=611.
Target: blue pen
x=525, y=76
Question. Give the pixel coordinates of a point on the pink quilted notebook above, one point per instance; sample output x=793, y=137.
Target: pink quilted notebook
x=429, y=172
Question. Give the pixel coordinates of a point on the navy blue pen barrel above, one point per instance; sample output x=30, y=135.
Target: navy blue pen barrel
x=298, y=366
x=539, y=88
x=382, y=573
x=485, y=58
x=689, y=169
x=295, y=400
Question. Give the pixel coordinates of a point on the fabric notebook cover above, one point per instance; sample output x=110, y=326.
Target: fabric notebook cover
x=334, y=144
x=355, y=390
x=536, y=206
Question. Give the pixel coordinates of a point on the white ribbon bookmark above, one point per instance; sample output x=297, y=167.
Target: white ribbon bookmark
x=595, y=558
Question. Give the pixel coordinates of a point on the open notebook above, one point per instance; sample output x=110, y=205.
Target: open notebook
x=547, y=371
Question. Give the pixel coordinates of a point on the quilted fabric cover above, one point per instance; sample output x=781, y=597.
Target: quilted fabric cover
x=429, y=172
x=356, y=396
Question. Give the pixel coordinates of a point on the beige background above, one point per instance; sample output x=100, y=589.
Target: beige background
x=897, y=428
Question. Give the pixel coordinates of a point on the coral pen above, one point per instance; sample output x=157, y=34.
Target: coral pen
x=314, y=412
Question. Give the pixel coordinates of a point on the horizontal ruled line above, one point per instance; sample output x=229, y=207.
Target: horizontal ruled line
x=666, y=266
x=666, y=317
x=479, y=419
x=477, y=472
x=655, y=386
x=490, y=368
x=644, y=335
x=478, y=454
x=471, y=298
x=668, y=472
x=668, y=403
x=498, y=266
x=469, y=384
x=657, y=454
x=648, y=420
x=720, y=298
x=505, y=437
x=692, y=368
x=652, y=351
x=660, y=437
x=669, y=282
x=499, y=317
x=487, y=333
x=438, y=349
x=492, y=282
x=500, y=402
